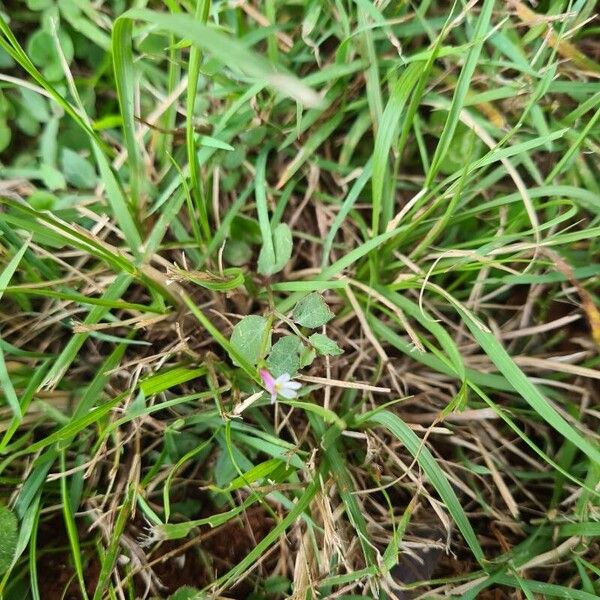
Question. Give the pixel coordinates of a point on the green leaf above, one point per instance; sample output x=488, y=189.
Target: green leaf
x=77, y=170
x=42, y=51
x=282, y=242
x=38, y=4
x=231, y=52
x=327, y=415
x=5, y=135
x=237, y=252
x=325, y=345
x=312, y=311
x=307, y=357
x=250, y=337
x=53, y=179
x=6, y=60
x=277, y=585
x=236, y=355
x=460, y=92
x=386, y=134
x=35, y=104
x=285, y=356
x=164, y=381
x=273, y=258
x=187, y=593
x=8, y=389
x=211, y=142
x=431, y=468
x=26, y=123
x=234, y=159
x=257, y=473
x=42, y=200
x=11, y=268
x=8, y=538
x=524, y=386
x=276, y=247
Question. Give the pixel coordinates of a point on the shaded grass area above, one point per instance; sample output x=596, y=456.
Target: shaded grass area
x=396, y=204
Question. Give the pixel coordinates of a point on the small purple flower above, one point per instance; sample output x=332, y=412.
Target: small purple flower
x=282, y=385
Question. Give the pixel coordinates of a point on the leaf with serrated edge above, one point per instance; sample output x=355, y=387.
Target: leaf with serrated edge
x=248, y=336
x=285, y=356
x=324, y=345
x=312, y=311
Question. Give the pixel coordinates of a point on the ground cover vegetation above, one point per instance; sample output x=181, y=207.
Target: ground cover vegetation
x=298, y=299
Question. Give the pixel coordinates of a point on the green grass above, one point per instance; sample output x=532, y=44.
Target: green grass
x=416, y=184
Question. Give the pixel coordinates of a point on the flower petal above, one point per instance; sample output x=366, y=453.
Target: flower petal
x=273, y=397
x=293, y=385
x=284, y=378
x=287, y=393
x=268, y=380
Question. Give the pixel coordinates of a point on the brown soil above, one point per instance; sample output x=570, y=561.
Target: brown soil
x=221, y=549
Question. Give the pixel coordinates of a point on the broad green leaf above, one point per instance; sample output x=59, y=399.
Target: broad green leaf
x=8, y=538
x=285, y=356
x=274, y=257
x=35, y=104
x=251, y=337
x=188, y=593
x=237, y=253
x=464, y=147
x=266, y=259
x=41, y=49
x=278, y=586
x=42, y=200
x=312, y=311
x=277, y=244
x=26, y=123
x=282, y=243
x=325, y=345
x=236, y=356
x=53, y=179
x=307, y=357
x=77, y=170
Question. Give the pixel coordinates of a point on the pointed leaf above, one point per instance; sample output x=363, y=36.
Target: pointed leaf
x=325, y=345
x=285, y=356
x=312, y=311
x=249, y=336
x=8, y=538
x=77, y=170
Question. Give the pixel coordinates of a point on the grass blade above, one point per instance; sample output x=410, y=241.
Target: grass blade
x=434, y=473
